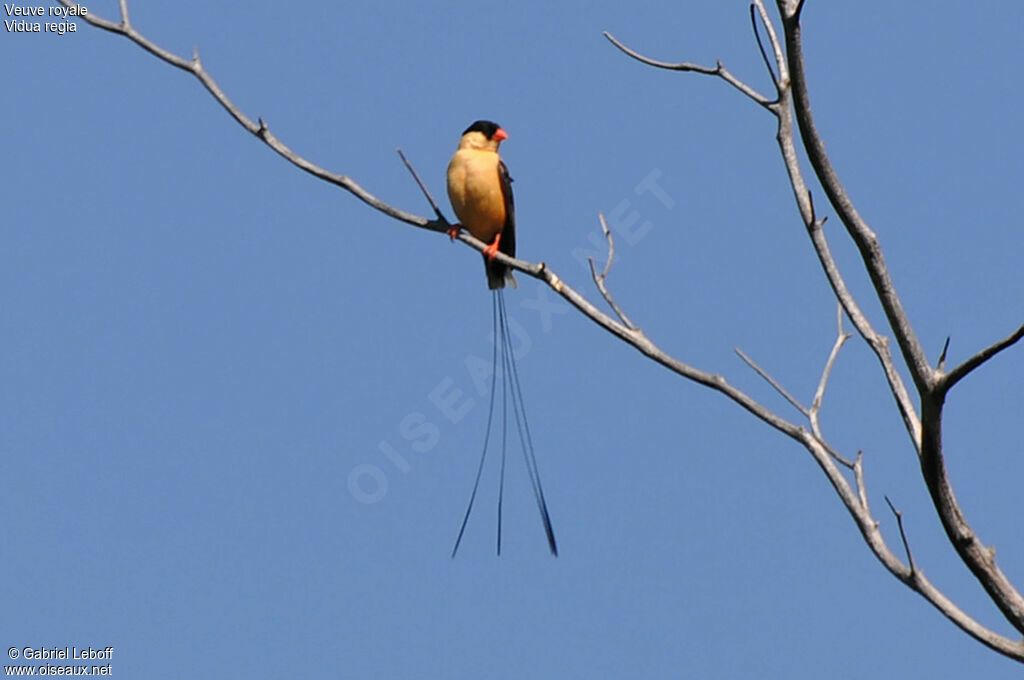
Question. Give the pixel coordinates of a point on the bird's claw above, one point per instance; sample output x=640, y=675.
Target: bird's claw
x=453, y=231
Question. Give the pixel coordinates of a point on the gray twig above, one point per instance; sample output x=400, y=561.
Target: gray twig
x=423, y=188
x=599, y=279
x=719, y=71
x=961, y=371
x=903, y=537
x=772, y=381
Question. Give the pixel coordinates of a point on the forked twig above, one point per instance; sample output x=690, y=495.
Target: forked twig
x=599, y=279
x=819, y=393
x=841, y=338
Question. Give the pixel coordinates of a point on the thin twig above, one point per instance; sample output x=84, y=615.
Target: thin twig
x=611, y=245
x=858, y=475
x=961, y=371
x=903, y=537
x=819, y=393
x=771, y=381
x=599, y=279
x=760, y=46
x=941, y=363
x=718, y=71
x=423, y=188
x=780, y=59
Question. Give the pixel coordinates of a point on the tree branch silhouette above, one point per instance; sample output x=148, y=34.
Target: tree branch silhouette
x=925, y=431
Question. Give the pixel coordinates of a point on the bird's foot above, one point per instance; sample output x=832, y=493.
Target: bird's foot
x=453, y=231
x=491, y=251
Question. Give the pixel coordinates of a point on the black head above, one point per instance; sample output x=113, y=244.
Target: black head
x=486, y=127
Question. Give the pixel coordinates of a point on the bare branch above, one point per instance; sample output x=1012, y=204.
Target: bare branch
x=978, y=557
x=718, y=71
x=599, y=279
x=941, y=363
x=961, y=371
x=611, y=245
x=903, y=536
x=814, y=225
x=857, y=506
x=423, y=188
x=782, y=109
x=879, y=344
x=259, y=130
x=782, y=81
x=811, y=413
x=771, y=381
x=798, y=10
x=858, y=475
x=862, y=235
x=819, y=394
x=632, y=336
x=760, y=46
x=921, y=372
x=926, y=432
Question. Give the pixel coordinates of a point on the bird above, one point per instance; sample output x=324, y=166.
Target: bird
x=480, y=191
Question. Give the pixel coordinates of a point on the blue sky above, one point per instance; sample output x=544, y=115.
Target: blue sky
x=201, y=343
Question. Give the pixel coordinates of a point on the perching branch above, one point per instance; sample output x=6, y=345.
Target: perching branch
x=258, y=129
x=620, y=329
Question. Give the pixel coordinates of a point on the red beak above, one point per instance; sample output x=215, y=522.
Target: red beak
x=500, y=135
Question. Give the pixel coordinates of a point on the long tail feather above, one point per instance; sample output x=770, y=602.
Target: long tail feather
x=504, y=436
x=510, y=369
x=487, y=436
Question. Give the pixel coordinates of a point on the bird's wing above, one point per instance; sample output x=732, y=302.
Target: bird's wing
x=508, y=232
